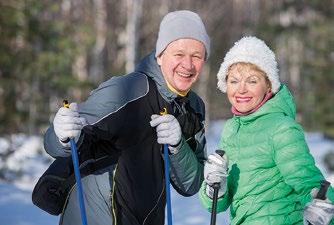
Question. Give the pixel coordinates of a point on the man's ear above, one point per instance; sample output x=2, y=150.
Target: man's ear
x=159, y=59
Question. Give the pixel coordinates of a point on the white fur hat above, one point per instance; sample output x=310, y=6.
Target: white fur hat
x=250, y=50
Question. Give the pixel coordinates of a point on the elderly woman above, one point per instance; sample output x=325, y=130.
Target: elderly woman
x=271, y=172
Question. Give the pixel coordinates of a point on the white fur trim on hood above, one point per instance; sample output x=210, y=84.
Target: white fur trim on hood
x=250, y=50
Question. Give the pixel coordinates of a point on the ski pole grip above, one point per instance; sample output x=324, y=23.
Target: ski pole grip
x=324, y=184
x=66, y=104
x=216, y=187
x=220, y=152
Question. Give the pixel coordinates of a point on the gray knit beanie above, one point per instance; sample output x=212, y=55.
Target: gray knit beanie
x=181, y=24
x=250, y=50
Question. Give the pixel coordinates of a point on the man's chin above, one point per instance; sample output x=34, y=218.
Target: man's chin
x=183, y=90
x=184, y=87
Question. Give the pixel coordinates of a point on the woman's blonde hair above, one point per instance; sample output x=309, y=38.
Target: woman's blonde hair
x=251, y=66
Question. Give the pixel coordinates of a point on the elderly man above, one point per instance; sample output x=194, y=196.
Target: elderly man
x=121, y=119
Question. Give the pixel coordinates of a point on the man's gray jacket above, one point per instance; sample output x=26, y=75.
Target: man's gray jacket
x=118, y=113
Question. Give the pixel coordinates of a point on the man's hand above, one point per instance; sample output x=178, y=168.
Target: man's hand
x=318, y=212
x=215, y=171
x=68, y=123
x=168, y=131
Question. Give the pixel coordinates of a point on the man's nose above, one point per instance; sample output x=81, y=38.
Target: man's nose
x=187, y=63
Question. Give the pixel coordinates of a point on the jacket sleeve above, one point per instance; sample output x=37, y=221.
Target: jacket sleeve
x=187, y=166
x=295, y=163
x=225, y=201
x=104, y=101
x=93, y=110
x=222, y=203
x=52, y=145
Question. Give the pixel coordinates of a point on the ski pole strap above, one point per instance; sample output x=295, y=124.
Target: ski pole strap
x=75, y=160
x=167, y=183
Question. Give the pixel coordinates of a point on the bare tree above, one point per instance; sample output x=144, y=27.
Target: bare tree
x=97, y=66
x=133, y=16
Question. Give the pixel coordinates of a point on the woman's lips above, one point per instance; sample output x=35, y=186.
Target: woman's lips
x=243, y=99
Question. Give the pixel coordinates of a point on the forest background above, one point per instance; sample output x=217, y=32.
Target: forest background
x=56, y=49
x=50, y=50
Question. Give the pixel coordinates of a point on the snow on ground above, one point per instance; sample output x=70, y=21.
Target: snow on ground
x=16, y=207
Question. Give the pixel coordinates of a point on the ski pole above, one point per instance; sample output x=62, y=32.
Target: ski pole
x=167, y=183
x=324, y=184
x=216, y=187
x=75, y=161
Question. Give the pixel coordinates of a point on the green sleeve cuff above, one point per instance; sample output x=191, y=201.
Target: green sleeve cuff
x=222, y=203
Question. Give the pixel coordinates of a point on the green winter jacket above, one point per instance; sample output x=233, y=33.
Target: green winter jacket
x=271, y=171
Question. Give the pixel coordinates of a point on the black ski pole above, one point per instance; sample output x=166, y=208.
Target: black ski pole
x=216, y=187
x=324, y=184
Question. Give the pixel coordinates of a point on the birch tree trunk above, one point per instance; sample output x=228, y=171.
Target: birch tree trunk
x=203, y=85
x=97, y=66
x=134, y=11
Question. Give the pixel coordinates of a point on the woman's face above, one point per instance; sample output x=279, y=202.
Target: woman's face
x=246, y=86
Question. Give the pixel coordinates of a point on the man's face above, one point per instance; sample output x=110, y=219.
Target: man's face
x=182, y=62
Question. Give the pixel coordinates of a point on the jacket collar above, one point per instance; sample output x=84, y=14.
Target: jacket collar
x=149, y=66
x=281, y=102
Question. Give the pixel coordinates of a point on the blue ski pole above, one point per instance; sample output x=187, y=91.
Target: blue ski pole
x=169, y=204
x=167, y=183
x=77, y=175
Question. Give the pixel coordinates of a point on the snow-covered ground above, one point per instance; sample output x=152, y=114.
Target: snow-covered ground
x=28, y=163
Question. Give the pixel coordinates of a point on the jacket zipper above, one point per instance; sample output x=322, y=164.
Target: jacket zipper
x=155, y=206
x=112, y=192
x=65, y=204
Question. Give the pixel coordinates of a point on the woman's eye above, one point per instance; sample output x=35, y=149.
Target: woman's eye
x=252, y=82
x=233, y=82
